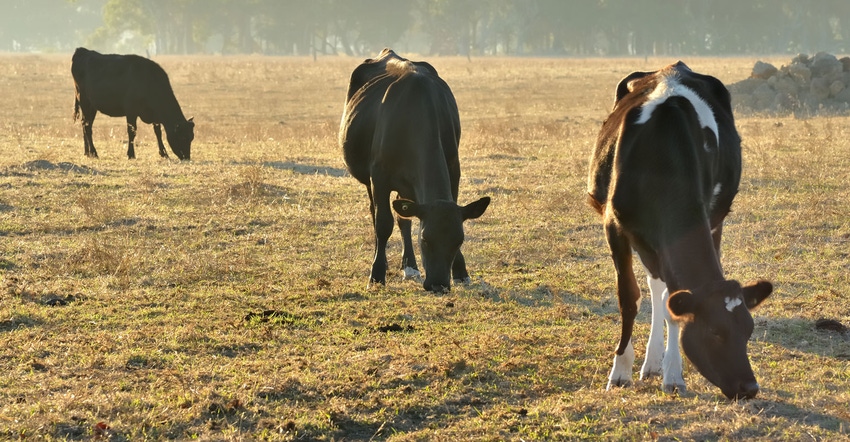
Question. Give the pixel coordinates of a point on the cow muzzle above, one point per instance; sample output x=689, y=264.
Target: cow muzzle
x=744, y=390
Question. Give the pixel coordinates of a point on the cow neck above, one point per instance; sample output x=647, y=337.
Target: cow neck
x=434, y=182
x=171, y=112
x=690, y=261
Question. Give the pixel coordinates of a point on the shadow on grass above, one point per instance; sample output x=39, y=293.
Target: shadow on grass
x=306, y=169
x=122, y=222
x=544, y=296
x=18, y=322
x=771, y=409
x=759, y=419
x=44, y=165
x=367, y=421
x=766, y=413
x=803, y=336
x=5, y=264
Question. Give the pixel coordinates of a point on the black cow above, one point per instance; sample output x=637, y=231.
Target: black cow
x=400, y=131
x=133, y=87
x=663, y=176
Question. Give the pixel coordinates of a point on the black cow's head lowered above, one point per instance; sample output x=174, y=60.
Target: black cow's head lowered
x=440, y=235
x=180, y=138
x=716, y=325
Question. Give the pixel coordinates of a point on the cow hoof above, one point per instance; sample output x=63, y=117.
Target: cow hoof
x=463, y=281
x=409, y=273
x=618, y=383
x=675, y=388
x=374, y=285
x=650, y=373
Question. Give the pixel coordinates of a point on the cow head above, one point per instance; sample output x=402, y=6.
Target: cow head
x=716, y=325
x=180, y=138
x=440, y=235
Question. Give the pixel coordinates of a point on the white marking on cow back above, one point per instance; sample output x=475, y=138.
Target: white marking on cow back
x=731, y=303
x=669, y=86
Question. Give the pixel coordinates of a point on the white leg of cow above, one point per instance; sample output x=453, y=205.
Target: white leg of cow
x=408, y=257
x=621, y=373
x=655, y=346
x=411, y=273
x=673, y=378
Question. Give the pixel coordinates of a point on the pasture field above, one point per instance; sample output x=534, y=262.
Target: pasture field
x=225, y=298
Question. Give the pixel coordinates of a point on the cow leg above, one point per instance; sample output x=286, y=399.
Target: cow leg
x=628, y=295
x=459, y=273
x=621, y=371
x=87, y=121
x=131, y=136
x=371, y=204
x=672, y=375
x=408, y=256
x=158, y=131
x=655, y=346
x=383, y=230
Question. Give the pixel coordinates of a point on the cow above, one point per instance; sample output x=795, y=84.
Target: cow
x=400, y=132
x=663, y=174
x=133, y=87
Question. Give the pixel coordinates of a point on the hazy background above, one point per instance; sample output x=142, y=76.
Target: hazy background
x=445, y=27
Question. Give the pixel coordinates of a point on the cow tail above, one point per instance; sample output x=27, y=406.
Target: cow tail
x=76, y=109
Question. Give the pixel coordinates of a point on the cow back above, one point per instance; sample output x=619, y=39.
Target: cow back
x=118, y=85
x=666, y=144
x=374, y=106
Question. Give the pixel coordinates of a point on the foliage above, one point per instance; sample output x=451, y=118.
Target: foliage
x=473, y=27
x=448, y=27
x=47, y=25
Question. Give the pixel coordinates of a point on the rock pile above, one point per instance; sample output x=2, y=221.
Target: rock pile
x=818, y=85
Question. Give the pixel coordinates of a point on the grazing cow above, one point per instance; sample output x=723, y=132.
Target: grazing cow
x=400, y=131
x=663, y=176
x=133, y=87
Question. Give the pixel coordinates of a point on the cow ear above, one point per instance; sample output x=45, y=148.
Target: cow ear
x=755, y=293
x=682, y=304
x=191, y=123
x=406, y=208
x=626, y=85
x=475, y=209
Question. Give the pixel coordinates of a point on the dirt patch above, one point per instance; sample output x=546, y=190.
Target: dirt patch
x=830, y=325
x=394, y=328
x=269, y=315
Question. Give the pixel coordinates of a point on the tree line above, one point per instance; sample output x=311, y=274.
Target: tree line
x=463, y=27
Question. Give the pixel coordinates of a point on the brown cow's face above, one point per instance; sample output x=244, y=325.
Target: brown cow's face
x=716, y=325
x=441, y=235
x=180, y=139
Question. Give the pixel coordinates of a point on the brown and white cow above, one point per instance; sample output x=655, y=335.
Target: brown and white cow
x=663, y=176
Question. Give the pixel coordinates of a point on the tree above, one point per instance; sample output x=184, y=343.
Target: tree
x=465, y=27
x=46, y=25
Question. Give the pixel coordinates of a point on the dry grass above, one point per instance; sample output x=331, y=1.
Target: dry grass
x=224, y=299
